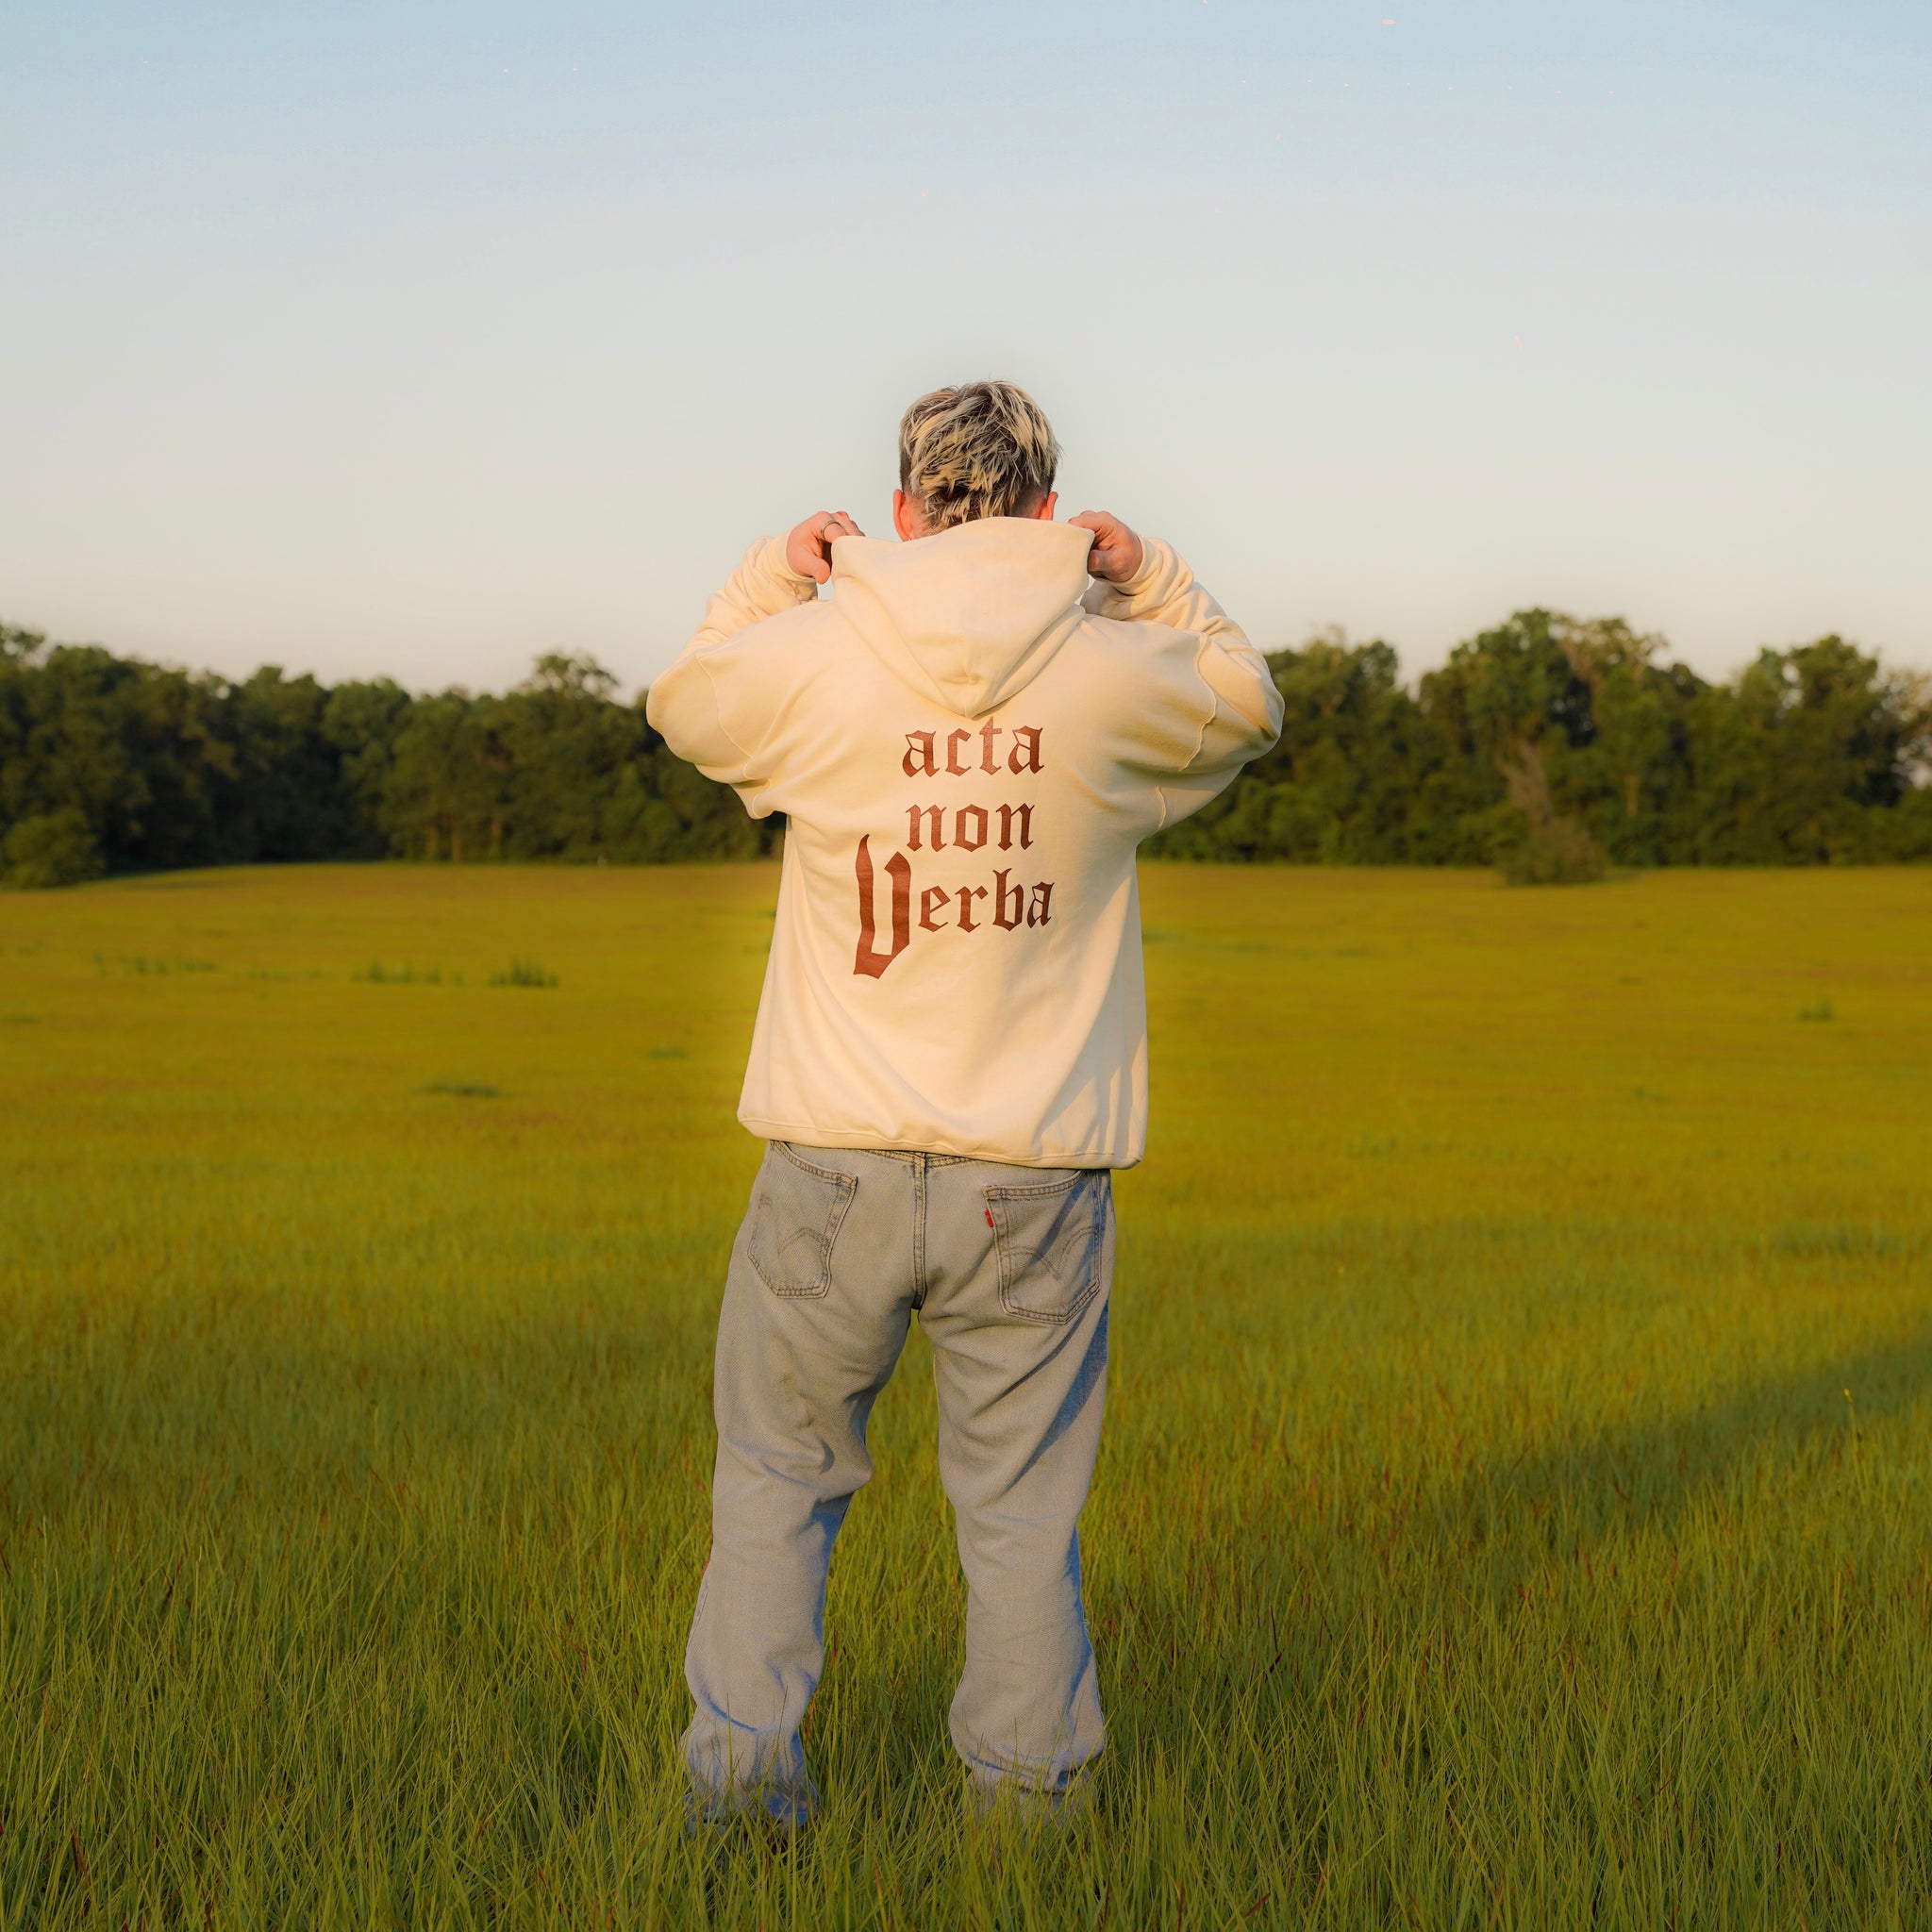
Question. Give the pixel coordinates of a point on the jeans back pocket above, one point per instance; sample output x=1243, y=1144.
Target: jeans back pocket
x=796, y=1220
x=1051, y=1240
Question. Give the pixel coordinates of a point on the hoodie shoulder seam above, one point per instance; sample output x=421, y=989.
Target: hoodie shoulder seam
x=1201, y=643
x=792, y=618
x=717, y=705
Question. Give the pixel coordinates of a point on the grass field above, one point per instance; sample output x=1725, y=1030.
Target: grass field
x=1515, y=1508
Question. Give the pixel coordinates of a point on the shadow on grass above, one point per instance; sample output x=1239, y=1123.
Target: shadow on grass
x=1648, y=1473
x=1309, y=1602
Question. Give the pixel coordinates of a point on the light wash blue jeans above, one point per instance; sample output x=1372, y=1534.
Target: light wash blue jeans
x=1008, y=1269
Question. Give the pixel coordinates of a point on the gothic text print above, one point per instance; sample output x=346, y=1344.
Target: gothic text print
x=1007, y=901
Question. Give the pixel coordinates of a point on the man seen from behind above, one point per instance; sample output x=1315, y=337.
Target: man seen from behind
x=968, y=737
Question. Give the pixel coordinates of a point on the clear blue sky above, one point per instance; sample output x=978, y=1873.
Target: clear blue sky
x=418, y=338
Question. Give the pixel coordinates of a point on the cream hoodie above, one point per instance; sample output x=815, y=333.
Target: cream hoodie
x=968, y=751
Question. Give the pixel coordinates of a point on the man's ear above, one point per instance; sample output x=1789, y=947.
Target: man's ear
x=1044, y=512
x=905, y=515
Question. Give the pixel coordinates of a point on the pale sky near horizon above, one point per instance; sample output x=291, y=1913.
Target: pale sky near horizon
x=419, y=339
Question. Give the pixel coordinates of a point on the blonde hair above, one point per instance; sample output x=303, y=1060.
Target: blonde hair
x=984, y=449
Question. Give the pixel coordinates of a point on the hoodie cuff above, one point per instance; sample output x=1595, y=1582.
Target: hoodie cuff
x=1153, y=551
x=771, y=562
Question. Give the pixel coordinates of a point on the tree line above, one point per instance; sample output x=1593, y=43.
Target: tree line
x=110, y=764
x=1549, y=746
x=1554, y=747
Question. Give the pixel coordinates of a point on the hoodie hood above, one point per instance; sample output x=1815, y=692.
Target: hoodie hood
x=968, y=616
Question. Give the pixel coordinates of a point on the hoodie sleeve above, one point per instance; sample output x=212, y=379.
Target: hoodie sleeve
x=691, y=704
x=1240, y=708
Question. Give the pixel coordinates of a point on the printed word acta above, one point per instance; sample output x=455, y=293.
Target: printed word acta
x=924, y=758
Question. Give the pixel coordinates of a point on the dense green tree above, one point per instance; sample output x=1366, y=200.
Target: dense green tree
x=1805, y=756
x=1515, y=710
x=362, y=722
x=567, y=743
x=288, y=801
x=433, y=789
x=137, y=754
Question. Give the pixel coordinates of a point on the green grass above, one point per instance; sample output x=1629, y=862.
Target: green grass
x=1514, y=1509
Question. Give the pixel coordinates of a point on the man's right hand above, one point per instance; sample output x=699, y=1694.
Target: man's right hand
x=808, y=548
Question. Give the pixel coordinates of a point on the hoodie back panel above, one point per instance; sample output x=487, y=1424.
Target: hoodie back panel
x=968, y=757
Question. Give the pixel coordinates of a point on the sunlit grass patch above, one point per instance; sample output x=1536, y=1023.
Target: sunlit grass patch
x=1512, y=1509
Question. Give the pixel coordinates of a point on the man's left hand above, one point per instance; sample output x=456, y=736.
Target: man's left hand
x=1117, y=552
